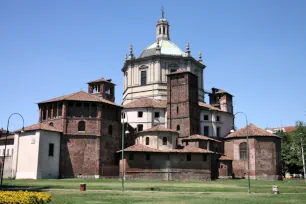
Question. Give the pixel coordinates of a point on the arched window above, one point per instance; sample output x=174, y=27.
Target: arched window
x=178, y=128
x=147, y=141
x=243, y=151
x=81, y=126
x=159, y=30
x=110, y=130
x=165, y=140
x=164, y=30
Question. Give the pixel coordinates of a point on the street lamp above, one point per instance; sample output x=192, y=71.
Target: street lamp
x=122, y=151
x=7, y=133
x=303, y=156
x=247, y=138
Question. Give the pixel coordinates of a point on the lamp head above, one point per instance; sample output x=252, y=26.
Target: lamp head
x=127, y=132
x=232, y=130
x=22, y=130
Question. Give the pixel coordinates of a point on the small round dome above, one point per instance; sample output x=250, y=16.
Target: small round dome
x=166, y=48
x=162, y=20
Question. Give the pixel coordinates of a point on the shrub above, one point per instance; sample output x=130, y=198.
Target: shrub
x=24, y=197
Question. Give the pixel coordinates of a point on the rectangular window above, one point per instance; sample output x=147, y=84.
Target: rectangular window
x=206, y=130
x=218, y=132
x=205, y=157
x=205, y=117
x=123, y=115
x=140, y=113
x=143, y=76
x=156, y=114
x=140, y=127
x=218, y=118
x=51, y=150
x=188, y=157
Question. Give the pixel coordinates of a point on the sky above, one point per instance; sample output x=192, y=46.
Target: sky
x=255, y=50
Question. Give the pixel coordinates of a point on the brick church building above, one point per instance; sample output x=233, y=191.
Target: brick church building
x=174, y=133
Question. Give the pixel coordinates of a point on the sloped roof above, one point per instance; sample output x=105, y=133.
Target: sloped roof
x=146, y=103
x=289, y=128
x=199, y=137
x=101, y=80
x=80, y=96
x=179, y=71
x=9, y=137
x=210, y=107
x=143, y=148
x=253, y=131
x=159, y=128
x=40, y=126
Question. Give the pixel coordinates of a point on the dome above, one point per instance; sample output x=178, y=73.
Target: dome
x=166, y=48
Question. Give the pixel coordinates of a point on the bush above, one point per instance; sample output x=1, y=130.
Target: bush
x=24, y=197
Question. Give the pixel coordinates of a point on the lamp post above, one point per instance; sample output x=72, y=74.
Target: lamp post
x=122, y=152
x=247, y=138
x=7, y=133
x=303, y=156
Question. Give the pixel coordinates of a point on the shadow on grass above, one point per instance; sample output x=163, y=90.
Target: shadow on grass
x=24, y=188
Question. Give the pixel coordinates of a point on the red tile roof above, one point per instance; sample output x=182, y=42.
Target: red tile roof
x=179, y=71
x=9, y=137
x=146, y=103
x=252, y=131
x=101, y=80
x=210, y=107
x=159, y=128
x=199, y=137
x=224, y=157
x=40, y=126
x=143, y=148
x=289, y=128
x=80, y=96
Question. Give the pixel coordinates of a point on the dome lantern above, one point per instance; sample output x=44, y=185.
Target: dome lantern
x=162, y=28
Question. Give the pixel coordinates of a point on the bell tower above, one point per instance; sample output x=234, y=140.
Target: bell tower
x=103, y=88
x=162, y=28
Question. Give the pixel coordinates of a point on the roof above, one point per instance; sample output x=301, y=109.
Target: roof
x=252, y=131
x=40, y=126
x=220, y=91
x=289, y=128
x=179, y=71
x=166, y=48
x=143, y=148
x=285, y=129
x=80, y=96
x=158, y=128
x=9, y=137
x=199, y=137
x=224, y=157
x=210, y=107
x=146, y=103
x=101, y=80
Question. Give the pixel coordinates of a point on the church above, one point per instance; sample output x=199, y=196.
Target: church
x=170, y=131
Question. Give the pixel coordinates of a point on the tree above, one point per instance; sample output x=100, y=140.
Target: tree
x=291, y=148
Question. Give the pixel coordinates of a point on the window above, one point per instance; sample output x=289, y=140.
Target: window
x=206, y=130
x=218, y=132
x=81, y=126
x=187, y=143
x=218, y=118
x=93, y=110
x=147, y=157
x=86, y=110
x=243, y=151
x=156, y=114
x=188, y=157
x=143, y=77
x=78, y=110
x=139, y=127
x=204, y=157
x=147, y=141
x=51, y=150
x=177, y=109
x=123, y=115
x=131, y=156
x=205, y=117
x=173, y=68
x=110, y=130
x=51, y=124
x=8, y=152
x=178, y=128
x=140, y=113
x=3, y=152
x=59, y=108
x=165, y=140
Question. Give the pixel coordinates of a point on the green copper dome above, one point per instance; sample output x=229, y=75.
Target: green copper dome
x=166, y=48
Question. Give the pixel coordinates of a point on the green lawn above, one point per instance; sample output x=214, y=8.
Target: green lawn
x=220, y=191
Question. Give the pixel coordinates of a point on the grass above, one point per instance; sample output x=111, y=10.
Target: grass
x=220, y=191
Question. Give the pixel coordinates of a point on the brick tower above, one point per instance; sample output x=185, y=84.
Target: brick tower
x=182, y=103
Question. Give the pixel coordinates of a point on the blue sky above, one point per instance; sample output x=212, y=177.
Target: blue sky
x=255, y=50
